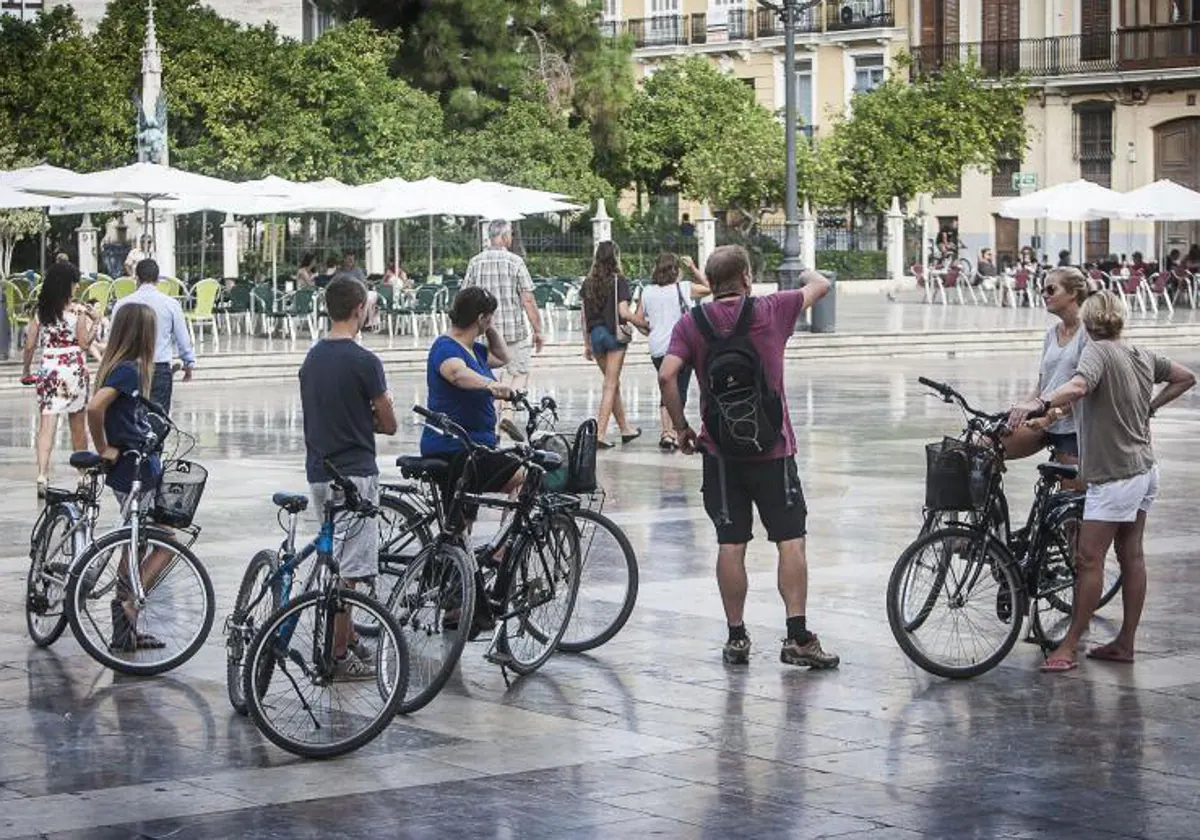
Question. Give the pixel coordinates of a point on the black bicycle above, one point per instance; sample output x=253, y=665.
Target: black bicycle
x=609, y=574
x=958, y=596
x=524, y=590
x=298, y=692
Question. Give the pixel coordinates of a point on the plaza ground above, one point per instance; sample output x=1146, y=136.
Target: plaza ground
x=651, y=735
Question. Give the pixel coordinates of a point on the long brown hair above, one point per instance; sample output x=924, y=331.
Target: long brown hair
x=598, y=287
x=132, y=339
x=666, y=269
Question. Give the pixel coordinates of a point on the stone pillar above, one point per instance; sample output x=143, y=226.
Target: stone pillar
x=375, y=256
x=86, y=235
x=895, y=244
x=601, y=225
x=231, y=245
x=808, y=237
x=164, y=245
x=706, y=234
x=924, y=215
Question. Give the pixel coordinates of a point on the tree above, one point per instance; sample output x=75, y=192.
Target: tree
x=527, y=144
x=683, y=106
x=475, y=55
x=905, y=138
x=15, y=225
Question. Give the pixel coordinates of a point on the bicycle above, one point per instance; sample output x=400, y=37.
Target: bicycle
x=158, y=618
x=526, y=597
x=609, y=573
x=984, y=576
x=289, y=672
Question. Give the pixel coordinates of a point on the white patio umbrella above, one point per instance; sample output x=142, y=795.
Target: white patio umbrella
x=1071, y=201
x=1162, y=201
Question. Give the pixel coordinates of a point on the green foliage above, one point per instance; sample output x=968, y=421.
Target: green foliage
x=905, y=138
x=741, y=166
x=854, y=265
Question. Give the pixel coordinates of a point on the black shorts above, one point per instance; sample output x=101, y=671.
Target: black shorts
x=1063, y=444
x=489, y=473
x=773, y=487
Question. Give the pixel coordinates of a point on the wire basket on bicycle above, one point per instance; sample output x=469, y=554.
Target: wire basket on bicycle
x=958, y=474
x=178, y=496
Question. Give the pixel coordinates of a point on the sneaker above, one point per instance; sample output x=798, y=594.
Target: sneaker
x=510, y=428
x=810, y=653
x=736, y=652
x=362, y=650
x=350, y=668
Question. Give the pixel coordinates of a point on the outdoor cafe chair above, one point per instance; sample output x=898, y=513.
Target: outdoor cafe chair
x=235, y=301
x=171, y=287
x=204, y=311
x=952, y=279
x=123, y=287
x=99, y=295
x=270, y=307
x=428, y=304
x=1155, y=288
x=302, y=306
x=1134, y=286
x=1185, y=285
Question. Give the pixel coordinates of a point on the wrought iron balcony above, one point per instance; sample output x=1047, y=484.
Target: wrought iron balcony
x=859, y=14
x=1135, y=48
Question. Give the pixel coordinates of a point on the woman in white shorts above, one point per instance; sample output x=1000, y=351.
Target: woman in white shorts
x=1113, y=396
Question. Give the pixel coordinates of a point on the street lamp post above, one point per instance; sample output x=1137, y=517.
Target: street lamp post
x=791, y=266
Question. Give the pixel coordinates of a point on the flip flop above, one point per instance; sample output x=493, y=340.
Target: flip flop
x=1105, y=653
x=630, y=438
x=1054, y=665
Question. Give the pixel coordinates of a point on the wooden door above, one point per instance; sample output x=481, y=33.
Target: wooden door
x=1177, y=156
x=1001, y=51
x=1095, y=30
x=1008, y=235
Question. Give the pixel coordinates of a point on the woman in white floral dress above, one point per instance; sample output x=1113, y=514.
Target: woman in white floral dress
x=60, y=333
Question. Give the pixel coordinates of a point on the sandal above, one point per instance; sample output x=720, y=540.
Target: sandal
x=603, y=444
x=1058, y=665
x=666, y=442
x=637, y=433
x=145, y=641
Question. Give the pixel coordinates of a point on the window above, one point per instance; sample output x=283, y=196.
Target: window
x=316, y=21
x=868, y=72
x=21, y=9
x=612, y=9
x=718, y=11
x=1094, y=151
x=804, y=91
x=665, y=25
x=1002, y=178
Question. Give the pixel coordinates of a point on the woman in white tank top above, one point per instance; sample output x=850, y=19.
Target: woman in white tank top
x=663, y=304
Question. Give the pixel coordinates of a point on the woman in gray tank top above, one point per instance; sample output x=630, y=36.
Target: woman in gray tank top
x=1063, y=293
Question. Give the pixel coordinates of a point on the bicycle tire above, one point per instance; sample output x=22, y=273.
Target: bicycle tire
x=385, y=692
x=987, y=561
x=243, y=626
x=46, y=592
x=1112, y=588
x=91, y=567
x=580, y=636
x=407, y=535
x=531, y=576
x=440, y=579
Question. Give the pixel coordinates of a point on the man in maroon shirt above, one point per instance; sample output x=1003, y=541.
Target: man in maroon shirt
x=767, y=481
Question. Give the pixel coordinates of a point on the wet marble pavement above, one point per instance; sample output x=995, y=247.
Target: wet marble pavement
x=651, y=735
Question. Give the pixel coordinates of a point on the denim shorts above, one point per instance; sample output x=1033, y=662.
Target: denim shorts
x=603, y=341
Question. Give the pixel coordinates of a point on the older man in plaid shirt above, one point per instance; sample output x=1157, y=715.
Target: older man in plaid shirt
x=504, y=274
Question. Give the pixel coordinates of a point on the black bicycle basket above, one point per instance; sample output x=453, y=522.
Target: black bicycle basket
x=957, y=475
x=178, y=494
x=581, y=473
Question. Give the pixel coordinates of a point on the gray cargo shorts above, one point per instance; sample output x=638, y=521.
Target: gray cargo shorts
x=355, y=539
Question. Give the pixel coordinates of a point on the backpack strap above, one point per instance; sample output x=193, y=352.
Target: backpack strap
x=703, y=324
x=742, y=328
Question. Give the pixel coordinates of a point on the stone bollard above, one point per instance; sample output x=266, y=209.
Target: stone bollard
x=824, y=311
x=601, y=225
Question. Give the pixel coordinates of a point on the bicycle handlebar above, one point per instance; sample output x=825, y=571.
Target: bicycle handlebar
x=442, y=423
x=354, y=501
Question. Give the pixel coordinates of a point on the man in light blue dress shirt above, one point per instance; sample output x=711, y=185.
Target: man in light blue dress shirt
x=172, y=332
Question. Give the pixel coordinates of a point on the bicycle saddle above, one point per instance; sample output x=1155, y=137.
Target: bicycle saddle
x=549, y=461
x=86, y=460
x=1059, y=472
x=414, y=466
x=291, y=502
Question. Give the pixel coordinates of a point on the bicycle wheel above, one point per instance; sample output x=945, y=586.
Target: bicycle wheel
x=294, y=694
x=543, y=580
x=244, y=623
x=608, y=583
x=1112, y=582
x=403, y=533
x=954, y=603
x=51, y=557
x=433, y=605
x=173, y=621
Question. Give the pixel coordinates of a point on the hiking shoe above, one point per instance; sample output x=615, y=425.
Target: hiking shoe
x=736, y=652
x=352, y=669
x=810, y=653
x=510, y=428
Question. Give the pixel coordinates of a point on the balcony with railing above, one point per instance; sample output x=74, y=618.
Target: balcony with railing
x=1136, y=48
x=859, y=14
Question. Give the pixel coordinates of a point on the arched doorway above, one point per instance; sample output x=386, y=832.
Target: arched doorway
x=1177, y=156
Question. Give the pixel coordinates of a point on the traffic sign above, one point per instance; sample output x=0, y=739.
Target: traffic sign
x=1024, y=181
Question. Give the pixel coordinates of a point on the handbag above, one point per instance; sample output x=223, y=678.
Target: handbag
x=624, y=333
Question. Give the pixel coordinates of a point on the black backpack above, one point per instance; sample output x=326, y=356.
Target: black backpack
x=744, y=416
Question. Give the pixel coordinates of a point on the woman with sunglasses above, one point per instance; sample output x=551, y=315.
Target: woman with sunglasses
x=1063, y=293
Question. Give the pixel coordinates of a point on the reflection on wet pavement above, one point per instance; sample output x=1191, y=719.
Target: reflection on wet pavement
x=650, y=735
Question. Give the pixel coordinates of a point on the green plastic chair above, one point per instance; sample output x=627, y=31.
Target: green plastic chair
x=387, y=305
x=235, y=301
x=269, y=306
x=99, y=295
x=173, y=288
x=123, y=287
x=204, y=310
x=303, y=305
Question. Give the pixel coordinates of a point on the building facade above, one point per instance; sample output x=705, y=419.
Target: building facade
x=1116, y=100
x=841, y=46
x=297, y=19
